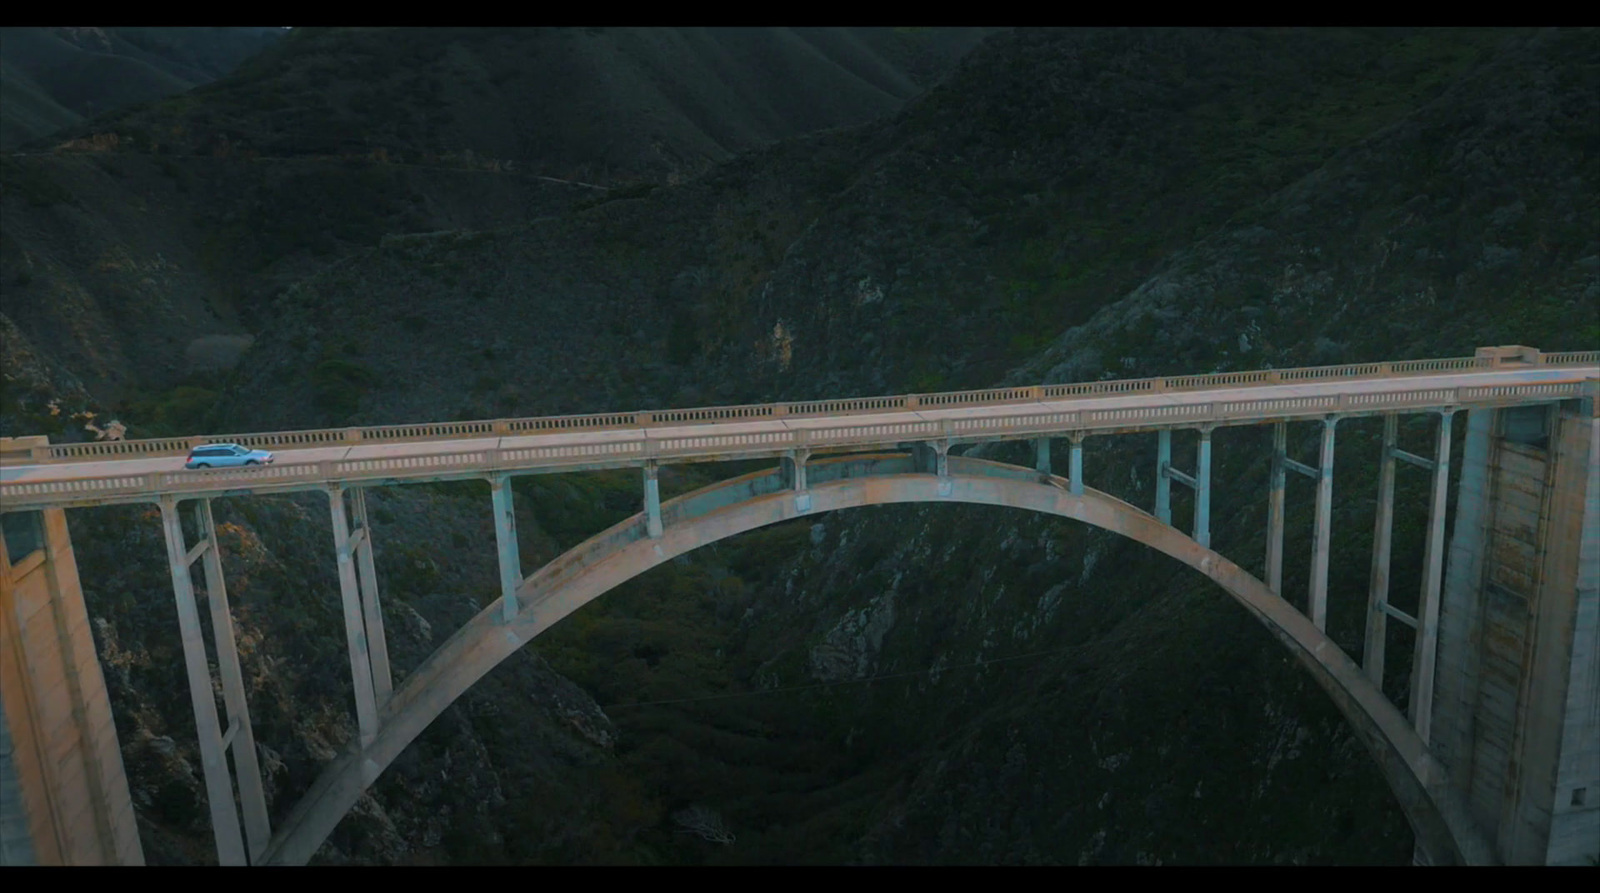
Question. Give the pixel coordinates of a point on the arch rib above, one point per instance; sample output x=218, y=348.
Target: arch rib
x=1435, y=811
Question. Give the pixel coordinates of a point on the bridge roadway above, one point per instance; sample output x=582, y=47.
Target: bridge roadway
x=79, y=469
x=297, y=467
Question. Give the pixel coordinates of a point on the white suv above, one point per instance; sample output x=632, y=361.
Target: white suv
x=225, y=455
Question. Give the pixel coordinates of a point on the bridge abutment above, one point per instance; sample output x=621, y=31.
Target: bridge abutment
x=1515, y=716
x=63, y=792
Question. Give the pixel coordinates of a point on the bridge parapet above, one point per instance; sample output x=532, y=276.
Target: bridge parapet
x=1487, y=358
x=714, y=446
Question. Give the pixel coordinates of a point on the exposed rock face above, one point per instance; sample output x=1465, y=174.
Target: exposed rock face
x=850, y=649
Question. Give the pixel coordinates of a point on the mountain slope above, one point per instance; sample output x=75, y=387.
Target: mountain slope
x=603, y=104
x=123, y=262
x=55, y=77
x=932, y=251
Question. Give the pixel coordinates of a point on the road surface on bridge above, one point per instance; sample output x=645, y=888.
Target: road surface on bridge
x=19, y=472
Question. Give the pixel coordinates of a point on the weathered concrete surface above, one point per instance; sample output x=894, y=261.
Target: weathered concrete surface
x=67, y=787
x=1437, y=815
x=16, y=841
x=1518, y=712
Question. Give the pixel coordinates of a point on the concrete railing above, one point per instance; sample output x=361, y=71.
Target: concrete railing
x=1571, y=358
x=1486, y=359
x=287, y=475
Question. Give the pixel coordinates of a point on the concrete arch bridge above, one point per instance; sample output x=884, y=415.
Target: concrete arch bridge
x=1486, y=770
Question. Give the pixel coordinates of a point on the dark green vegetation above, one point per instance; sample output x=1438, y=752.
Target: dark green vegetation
x=597, y=104
x=209, y=205
x=51, y=78
x=942, y=248
x=1065, y=206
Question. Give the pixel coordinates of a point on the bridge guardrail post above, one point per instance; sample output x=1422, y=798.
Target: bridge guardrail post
x=352, y=435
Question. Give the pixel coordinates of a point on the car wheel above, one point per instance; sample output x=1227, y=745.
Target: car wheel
x=251, y=462
x=201, y=465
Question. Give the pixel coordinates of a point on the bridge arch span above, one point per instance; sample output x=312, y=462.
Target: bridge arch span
x=1444, y=830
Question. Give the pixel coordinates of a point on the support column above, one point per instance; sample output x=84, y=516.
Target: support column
x=1378, y=587
x=652, y=501
x=1319, y=557
x=1202, y=492
x=1163, y=481
x=371, y=604
x=1280, y=436
x=505, y=537
x=941, y=451
x=794, y=473
x=1075, y=464
x=354, y=627
x=213, y=760
x=240, y=736
x=1041, y=455
x=1421, y=703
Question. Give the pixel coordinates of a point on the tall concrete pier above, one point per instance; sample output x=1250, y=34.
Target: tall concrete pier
x=63, y=794
x=1516, y=709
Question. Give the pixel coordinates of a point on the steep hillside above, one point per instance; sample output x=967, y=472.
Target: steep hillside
x=601, y=104
x=54, y=77
x=133, y=267
x=126, y=276
x=933, y=251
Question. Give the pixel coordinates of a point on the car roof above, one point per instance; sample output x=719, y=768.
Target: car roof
x=207, y=446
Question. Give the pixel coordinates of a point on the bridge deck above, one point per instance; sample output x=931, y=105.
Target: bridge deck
x=738, y=437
